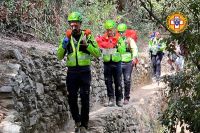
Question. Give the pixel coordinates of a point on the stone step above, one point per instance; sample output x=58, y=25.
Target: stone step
x=6, y=96
x=7, y=103
x=6, y=89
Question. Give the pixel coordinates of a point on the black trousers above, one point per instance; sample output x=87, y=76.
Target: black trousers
x=79, y=80
x=156, y=62
x=112, y=70
x=126, y=72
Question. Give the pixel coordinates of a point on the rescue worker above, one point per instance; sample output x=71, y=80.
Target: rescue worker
x=156, y=49
x=172, y=55
x=129, y=60
x=78, y=47
x=112, y=46
x=180, y=58
x=176, y=55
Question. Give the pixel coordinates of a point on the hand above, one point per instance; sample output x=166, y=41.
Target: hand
x=159, y=46
x=127, y=41
x=134, y=61
x=65, y=42
x=83, y=42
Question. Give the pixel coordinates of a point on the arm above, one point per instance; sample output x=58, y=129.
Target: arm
x=62, y=48
x=163, y=45
x=151, y=44
x=93, y=46
x=134, y=48
x=121, y=46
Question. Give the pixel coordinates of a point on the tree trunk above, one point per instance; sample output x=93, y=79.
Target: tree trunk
x=121, y=5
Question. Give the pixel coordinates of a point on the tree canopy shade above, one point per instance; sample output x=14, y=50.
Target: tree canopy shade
x=184, y=88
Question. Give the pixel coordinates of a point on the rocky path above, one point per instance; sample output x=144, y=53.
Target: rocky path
x=138, y=116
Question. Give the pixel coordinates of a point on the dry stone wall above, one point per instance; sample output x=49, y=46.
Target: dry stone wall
x=136, y=117
x=33, y=92
x=36, y=89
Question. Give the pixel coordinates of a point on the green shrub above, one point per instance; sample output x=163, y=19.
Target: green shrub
x=46, y=19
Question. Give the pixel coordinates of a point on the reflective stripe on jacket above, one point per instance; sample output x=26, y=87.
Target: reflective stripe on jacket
x=131, y=50
x=157, y=45
x=77, y=57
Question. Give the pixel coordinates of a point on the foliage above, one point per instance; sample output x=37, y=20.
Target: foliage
x=24, y=16
x=136, y=18
x=95, y=13
x=46, y=19
x=184, y=87
x=183, y=99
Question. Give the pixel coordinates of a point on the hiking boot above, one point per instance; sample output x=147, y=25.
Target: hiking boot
x=154, y=79
x=77, y=127
x=126, y=101
x=83, y=130
x=119, y=103
x=111, y=102
x=158, y=79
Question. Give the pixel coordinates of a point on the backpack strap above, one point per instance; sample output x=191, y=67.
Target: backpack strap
x=117, y=35
x=87, y=32
x=69, y=33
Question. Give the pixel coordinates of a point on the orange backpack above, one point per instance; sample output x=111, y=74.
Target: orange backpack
x=132, y=34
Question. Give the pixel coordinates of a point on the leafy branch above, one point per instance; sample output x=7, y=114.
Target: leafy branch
x=150, y=11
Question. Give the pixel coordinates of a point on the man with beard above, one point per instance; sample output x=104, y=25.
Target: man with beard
x=78, y=45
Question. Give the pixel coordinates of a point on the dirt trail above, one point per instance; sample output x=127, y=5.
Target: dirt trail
x=138, y=98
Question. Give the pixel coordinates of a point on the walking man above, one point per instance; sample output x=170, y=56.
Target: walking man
x=112, y=46
x=129, y=59
x=78, y=45
x=156, y=48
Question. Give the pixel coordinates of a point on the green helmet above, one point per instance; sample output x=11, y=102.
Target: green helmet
x=74, y=16
x=122, y=27
x=109, y=24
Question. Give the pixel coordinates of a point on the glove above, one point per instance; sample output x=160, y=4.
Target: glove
x=65, y=42
x=159, y=46
x=84, y=42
